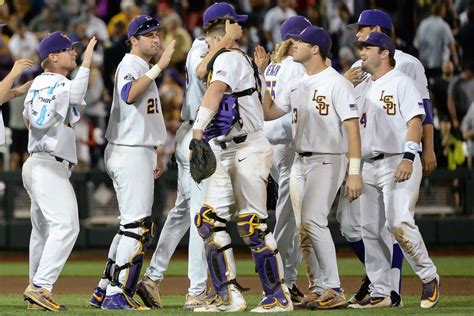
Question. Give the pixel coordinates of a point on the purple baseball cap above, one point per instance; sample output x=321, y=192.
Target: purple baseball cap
x=54, y=43
x=373, y=18
x=380, y=40
x=141, y=25
x=293, y=25
x=315, y=36
x=222, y=10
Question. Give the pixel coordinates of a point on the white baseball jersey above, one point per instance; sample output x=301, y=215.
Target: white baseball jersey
x=391, y=101
x=320, y=103
x=410, y=66
x=140, y=123
x=235, y=70
x=195, y=87
x=279, y=78
x=66, y=99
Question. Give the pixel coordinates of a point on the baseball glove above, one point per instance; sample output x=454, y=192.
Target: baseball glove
x=203, y=161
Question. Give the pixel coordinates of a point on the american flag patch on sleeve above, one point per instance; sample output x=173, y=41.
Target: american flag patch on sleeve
x=353, y=106
x=221, y=72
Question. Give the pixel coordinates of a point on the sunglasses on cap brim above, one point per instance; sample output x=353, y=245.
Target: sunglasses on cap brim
x=147, y=25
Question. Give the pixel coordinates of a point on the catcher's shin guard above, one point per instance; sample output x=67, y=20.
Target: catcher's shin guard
x=220, y=258
x=268, y=263
x=143, y=232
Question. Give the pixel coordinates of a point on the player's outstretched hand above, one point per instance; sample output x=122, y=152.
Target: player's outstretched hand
x=355, y=75
x=428, y=158
x=87, y=60
x=353, y=187
x=19, y=66
x=404, y=170
x=23, y=88
x=166, y=56
x=233, y=30
x=261, y=58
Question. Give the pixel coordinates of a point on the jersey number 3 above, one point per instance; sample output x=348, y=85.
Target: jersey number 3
x=152, y=106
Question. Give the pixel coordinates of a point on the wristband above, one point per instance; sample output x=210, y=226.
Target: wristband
x=204, y=116
x=409, y=156
x=354, y=166
x=412, y=147
x=154, y=72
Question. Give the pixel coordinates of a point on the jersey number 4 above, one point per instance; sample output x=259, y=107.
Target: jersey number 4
x=152, y=106
x=363, y=119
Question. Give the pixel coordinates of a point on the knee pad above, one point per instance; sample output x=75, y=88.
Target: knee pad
x=146, y=231
x=207, y=222
x=252, y=229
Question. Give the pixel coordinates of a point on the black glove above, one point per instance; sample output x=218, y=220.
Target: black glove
x=203, y=161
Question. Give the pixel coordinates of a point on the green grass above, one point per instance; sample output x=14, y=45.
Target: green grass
x=77, y=305
x=447, y=266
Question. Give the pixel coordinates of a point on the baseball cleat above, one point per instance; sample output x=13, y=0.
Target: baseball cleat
x=330, y=299
x=396, y=299
x=149, y=292
x=430, y=295
x=121, y=301
x=310, y=297
x=362, y=293
x=41, y=297
x=296, y=295
x=35, y=307
x=201, y=300
x=372, y=302
x=97, y=298
x=237, y=303
x=277, y=302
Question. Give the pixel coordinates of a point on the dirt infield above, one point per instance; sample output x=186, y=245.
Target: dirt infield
x=179, y=285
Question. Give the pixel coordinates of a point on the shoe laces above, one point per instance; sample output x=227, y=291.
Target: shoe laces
x=47, y=295
x=328, y=294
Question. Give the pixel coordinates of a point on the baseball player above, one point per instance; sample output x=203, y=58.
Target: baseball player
x=348, y=214
x=52, y=107
x=232, y=103
x=392, y=174
x=180, y=217
x=321, y=101
x=278, y=77
x=136, y=130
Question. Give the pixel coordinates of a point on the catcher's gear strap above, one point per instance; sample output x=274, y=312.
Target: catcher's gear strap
x=148, y=227
x=108, y=271
x=250, y=91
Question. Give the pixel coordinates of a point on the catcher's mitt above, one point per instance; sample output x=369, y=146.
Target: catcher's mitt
x=203, y=161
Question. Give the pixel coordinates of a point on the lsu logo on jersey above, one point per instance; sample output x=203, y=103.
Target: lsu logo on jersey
x=389, y=105
x=321, y=105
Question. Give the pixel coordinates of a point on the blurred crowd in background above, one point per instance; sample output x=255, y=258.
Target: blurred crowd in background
x=439, y=33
